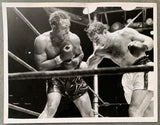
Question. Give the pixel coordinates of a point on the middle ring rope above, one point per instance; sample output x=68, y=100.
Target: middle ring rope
x=78, y=72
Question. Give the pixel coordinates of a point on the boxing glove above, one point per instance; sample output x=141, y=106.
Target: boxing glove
x=83, y=65
x=70, y=64
x=65, y=55
x=136, y=48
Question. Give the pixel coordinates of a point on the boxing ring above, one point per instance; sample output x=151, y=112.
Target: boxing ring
x=34, y=74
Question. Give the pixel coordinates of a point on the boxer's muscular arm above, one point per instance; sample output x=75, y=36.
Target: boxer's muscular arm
x=93, y=61
x=78, y=48
x=41, y=57
x=79, y=57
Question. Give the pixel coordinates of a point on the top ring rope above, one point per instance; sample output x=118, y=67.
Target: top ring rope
x=133, y=19
x=78, y=72
x=26, y=21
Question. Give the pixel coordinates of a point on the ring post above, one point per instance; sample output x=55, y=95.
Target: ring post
x=95, y=100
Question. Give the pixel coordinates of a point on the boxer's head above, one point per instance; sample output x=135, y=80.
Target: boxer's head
x=60, y=24
x=56, y=17
x=95, y=30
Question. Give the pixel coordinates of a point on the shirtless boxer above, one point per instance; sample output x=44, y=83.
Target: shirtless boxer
x=57, y=49
x=125, y=47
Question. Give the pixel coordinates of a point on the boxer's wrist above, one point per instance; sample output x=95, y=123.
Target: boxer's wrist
x=58, y=60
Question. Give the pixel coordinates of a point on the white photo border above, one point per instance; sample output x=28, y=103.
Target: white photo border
x=76, y=120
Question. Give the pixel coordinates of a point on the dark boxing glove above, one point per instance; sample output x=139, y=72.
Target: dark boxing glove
x=136, y=48
x=65, y=55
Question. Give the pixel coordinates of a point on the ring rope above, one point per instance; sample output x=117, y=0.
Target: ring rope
x=78, y=72
x=37, y=33
x=26, y=21
x=13, y=56
x=133, y=19
x=106, y=104
x=27, y=111
x=17, y=108
x=96, y=95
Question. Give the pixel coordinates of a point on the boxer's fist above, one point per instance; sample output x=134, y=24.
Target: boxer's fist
x=83, y=65
x=67, y=53
x=72, y=64
x=136, y=48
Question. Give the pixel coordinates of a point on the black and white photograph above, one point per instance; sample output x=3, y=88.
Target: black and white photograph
x=80, y=62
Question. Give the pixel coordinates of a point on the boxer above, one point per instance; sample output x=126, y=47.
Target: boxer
x=125, y=47
x=57, y=49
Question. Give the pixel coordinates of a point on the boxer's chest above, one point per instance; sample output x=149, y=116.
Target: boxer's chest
x=52, y=51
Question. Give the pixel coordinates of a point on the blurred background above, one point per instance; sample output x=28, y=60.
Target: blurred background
x=30, y=94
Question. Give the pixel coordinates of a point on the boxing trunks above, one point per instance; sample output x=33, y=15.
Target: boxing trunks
x=142, y=61
x=140, y=80
x=73, y=87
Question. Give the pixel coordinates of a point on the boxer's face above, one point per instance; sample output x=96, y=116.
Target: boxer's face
x=63, y=29
x=98, y=39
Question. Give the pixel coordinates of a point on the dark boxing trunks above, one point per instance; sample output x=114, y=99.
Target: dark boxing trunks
x=72, y=88
x=142, y=61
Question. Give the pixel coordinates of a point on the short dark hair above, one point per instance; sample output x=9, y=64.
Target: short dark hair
x=96, y=27
x=55, y=17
